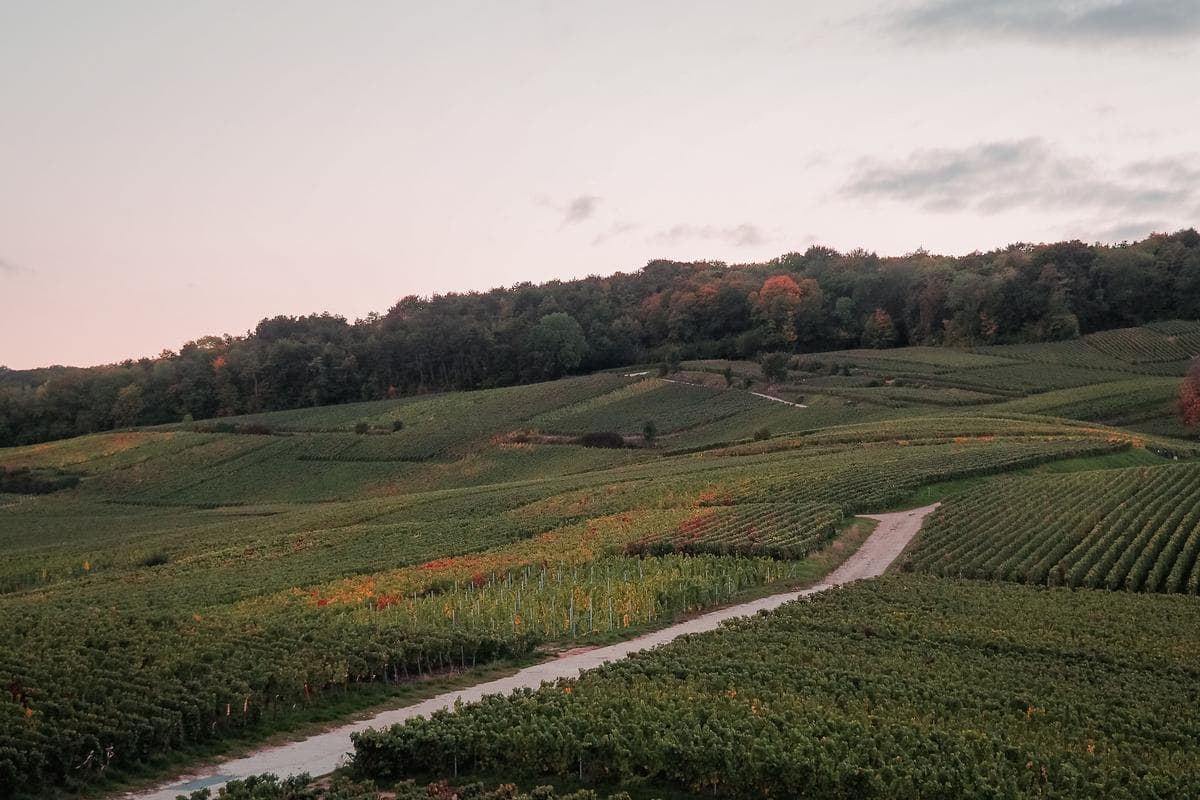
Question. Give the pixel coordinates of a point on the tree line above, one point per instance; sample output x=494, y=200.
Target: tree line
x=799, y=302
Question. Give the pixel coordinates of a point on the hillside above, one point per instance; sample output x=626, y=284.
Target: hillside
x=190, y=588
x=819, y=300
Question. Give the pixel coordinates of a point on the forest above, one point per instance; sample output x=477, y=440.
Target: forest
x=807, y=302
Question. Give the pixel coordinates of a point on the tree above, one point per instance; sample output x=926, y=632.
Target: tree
x=649, y=431
x=775, y=366
x=787, y=309
x=127, y=410
x=879, y=331
x=557, y=344
x=1188, y=402
x=728, y=374
x=845, y=320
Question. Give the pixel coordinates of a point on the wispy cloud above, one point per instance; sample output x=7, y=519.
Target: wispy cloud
x=581, y=208
x=616, y=230
x=1028, y=173
x=1052, y=21
x=744, y=235
x=578, y=209
x=10, y=268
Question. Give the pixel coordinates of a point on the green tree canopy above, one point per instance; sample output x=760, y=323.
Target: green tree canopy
x=557, y=344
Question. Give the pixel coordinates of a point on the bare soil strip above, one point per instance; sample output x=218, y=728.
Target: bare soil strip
x=325, y=752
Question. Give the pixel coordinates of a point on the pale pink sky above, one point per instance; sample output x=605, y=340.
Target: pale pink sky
x=170, y=170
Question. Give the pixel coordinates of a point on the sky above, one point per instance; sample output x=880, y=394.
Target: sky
x=172, y=170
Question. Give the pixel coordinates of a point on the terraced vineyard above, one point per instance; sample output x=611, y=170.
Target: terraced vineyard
x=1134, y=529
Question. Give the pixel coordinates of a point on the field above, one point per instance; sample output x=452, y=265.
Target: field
x=1144, y=363
x=1135, y=529
x=900, y=687
x=203, y=585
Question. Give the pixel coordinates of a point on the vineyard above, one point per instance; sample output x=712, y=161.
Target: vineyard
x=885, y=689
x=187, y=587
x=1134, y=529
x=775, y=530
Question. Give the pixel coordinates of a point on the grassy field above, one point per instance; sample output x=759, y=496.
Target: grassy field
x=207, y=584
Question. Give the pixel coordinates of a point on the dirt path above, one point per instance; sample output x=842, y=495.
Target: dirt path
x=325, y=752
x=778, y=400
x=753, y=394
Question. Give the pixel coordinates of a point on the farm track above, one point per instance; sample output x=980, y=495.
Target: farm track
x=325, y=752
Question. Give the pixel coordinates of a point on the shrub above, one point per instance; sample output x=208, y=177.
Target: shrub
x=761, y=434
x=397, y=425
x=649, y=431
x=23, y=480
x=155, y=559
x=609, y=439
x=361, y=427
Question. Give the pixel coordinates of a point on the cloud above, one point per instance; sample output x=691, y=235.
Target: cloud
x=9, y=268
x=744, y=235
x=1129, y=231
x=617, y=229
x=580, y=208
x=992, y=177
x=1052, y=21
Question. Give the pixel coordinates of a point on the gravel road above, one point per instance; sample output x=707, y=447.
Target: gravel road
x=322, y=753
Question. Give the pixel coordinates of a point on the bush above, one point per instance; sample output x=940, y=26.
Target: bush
x=761, y=434
x=155, y=559
x=361, y=428
x=649, y=431
x=397, y=425
x=23, y=480
x=608, y=439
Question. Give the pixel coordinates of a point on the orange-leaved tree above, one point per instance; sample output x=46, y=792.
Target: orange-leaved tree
x=788, y=309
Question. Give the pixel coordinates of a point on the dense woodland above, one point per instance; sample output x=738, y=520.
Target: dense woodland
x=800, y=302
